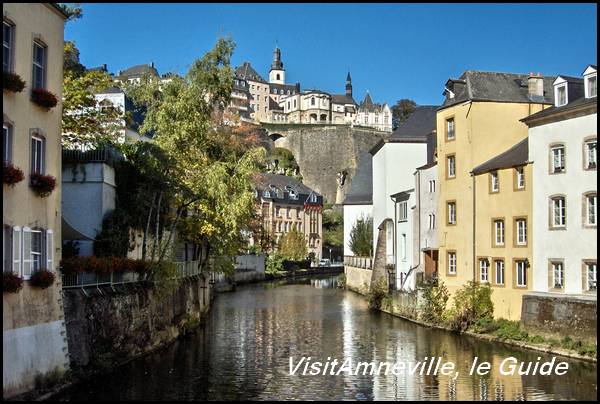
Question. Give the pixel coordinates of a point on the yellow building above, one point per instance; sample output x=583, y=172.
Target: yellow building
x=479, y=119
x=503, y=214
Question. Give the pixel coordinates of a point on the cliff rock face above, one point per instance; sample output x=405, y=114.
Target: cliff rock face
x=327, y=155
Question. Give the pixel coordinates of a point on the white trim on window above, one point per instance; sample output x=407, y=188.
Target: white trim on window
x=499, y=267
x=16, y=250
x=521, y=274
x=26, y=253
x=521, y=231
x=49, y=250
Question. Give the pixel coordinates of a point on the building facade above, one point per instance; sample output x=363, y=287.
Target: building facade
x=358, y=203
x=563, y=149
x=425, y=250
x=378, y=116
x=282, y=204
x=480, y=115
x=34, y=342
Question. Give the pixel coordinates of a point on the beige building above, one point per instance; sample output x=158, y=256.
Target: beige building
x=284, y=203
x=34, y=339
x=479, y=119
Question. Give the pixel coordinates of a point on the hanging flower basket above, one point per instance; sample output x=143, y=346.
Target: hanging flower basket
x=41, y=279
x=43, y=185
x=43, y=98
x=11, y=283
x=11, y=174
x=12, y=82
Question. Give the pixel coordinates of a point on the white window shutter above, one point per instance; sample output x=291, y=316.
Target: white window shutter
x=26, y=252
x=49, y=250
x=16, y=250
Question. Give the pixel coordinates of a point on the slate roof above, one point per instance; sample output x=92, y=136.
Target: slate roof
x=138, y=71
x=367, y=105
x=274, y=106
x=265, y=181
x=581, y=102
x=418, y=126
x=361, y=187
x=517, y=155
x=291, y=87
x=491, y=86
x=247, y=72
x=342, y=99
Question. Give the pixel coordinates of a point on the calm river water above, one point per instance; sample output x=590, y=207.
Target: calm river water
x=243, y=353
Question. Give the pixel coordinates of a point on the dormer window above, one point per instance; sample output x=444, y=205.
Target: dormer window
x=590, y=81
x=560, y=95
x=266, y=194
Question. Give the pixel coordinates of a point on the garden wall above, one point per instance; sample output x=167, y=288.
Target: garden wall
x=358, y=279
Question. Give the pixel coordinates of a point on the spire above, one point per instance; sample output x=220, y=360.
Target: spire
x=349, y=85
x=277, y=64
x=348, y=78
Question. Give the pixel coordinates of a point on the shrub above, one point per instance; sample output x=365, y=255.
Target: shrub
x=12, y=82
x=471, y=303
x=43, y=185
x=274, y=264
x=510, y=330
x=11, y=283
x=361, y=237
x=43, y=98
x=104, y=265
x=434, y=305
x=41, y=279
x=11, y=174
x=376, y=294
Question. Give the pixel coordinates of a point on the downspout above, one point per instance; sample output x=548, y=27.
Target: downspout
x=474, y=227
x=394, y=241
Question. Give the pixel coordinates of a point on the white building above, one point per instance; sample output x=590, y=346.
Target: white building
x=378, y=116
x=563, y=149
x=394, y=162
x=358, y=203
x=426, y=249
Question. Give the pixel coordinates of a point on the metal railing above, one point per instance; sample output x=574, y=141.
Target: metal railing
x=358, y=262
x=93, y=279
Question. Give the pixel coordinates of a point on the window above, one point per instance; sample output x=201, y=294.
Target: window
x=451, y=212
x=521, y=225
x=36, y=250
x=278, y=211
x=39, y=65
x=450, y=129
x=591, y=87
x=431, y=221
x=312, y=101
x=7, y=42
x=494, y=181
x=484, y=267
x=403, y=214
x=590, y=154
x=451, y=166
x=294, y=103
x=558, y=158
x=7, y=142
x=499, y=232
x=558, y=275
x=558, y=208
x=37, y=154
x=431, y=186
x=591, y=210
x=266, y=194
x=403, y=247
x=499, y=269
x=452, y=262
x=7, y=249
x=590, y=276
x=521, y=269
x=520, y=177
x=313, y=198
x=561, y=95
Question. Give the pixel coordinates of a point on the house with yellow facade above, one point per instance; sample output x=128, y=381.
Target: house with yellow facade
x=502, y=220
x=480, y=119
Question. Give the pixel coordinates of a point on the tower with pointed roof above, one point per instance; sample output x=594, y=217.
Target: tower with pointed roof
x=349, y=85
x=277, y=72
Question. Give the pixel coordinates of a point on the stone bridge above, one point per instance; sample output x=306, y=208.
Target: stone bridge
x=326, y=154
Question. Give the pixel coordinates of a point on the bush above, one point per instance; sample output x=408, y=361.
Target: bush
x=12, y=175
x=44, y=98
x=105, y=265
x=42, y=185
x=11, y=283
x=113, y=240
x=434, y=305
x=12, y=82
x=361, y=237
x=274, y=264
x=42, y=279
x=471, y=303
x=376, y=294
x=510, y=330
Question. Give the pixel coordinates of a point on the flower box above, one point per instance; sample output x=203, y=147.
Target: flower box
x=42, y=279
x=11, y=283
x=12, y=82
x=43, y=185
x=11, y=175
x=44, y=98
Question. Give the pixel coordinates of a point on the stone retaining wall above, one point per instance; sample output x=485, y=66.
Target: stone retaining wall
x=358, y=279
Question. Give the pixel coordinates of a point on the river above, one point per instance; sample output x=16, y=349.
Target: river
x=244, y=349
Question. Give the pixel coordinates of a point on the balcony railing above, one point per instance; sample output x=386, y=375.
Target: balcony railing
x=358, y=262
x=104, y=155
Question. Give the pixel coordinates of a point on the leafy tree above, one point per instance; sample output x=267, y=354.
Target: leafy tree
x=333, y=230
x=361, y=237
x=292, y=245
x=74, y=12
x=282, y=161
x=85, y=120
x=402, y=110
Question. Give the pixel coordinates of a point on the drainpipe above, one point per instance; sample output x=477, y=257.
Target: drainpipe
x=474, y=227
x=394, y=245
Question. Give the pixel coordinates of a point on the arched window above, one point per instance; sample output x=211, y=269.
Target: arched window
x=277, y=76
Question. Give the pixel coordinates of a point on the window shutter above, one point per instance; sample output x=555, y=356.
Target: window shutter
x=16, y=250
x=26, y=252
x=49, y=250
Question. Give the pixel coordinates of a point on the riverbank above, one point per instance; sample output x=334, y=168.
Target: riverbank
x=387, y=306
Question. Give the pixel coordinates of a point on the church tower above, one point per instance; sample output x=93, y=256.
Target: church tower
x=349, y=85
x=277, y=73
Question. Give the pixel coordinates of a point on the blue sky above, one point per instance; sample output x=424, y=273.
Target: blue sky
x=392, y=50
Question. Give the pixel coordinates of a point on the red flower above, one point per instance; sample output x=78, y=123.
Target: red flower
x=42, y=279
x=12, y=82
x=43, y=98
x=43, y=185
x=11, y=283
x=11, y=174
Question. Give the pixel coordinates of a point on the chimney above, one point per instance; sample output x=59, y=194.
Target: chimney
x=535, y=85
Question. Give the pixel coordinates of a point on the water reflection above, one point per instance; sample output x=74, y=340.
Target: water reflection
x=243, y=353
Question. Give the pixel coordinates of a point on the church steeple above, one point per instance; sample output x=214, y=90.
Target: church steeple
x=277, y=64
x=277, y=72
x=349, y=85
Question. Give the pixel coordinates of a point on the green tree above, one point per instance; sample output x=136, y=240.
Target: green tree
x=361, y=237
x=292, y=245
x=402, y=110
x=333, y=231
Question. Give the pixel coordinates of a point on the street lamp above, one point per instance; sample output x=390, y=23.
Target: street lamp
x=330, y=256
